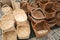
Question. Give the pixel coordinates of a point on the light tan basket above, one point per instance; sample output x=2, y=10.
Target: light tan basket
x=23, y=28
x=8, y=28
x=7, y=22
x=6, y=9
x=11, y=35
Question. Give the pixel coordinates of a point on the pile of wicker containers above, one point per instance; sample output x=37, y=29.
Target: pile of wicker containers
x=19, y=14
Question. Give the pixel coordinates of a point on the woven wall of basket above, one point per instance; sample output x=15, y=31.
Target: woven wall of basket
x=42, y=14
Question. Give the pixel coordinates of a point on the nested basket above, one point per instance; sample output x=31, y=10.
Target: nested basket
x=8, y=27
x=39, y=25
x=49, y=11
x=23, y=28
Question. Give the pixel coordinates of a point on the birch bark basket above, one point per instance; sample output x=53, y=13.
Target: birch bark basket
x=23, y=28
x=8, y=29
x=6, y=9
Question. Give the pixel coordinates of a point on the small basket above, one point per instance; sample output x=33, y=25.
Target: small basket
x=49, y=10
x=7, y=22
x=23, y=30
x=6, y=9
x=10, y=35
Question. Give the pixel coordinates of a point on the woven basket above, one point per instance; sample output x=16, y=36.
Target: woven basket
x=49, y=10
x=11, y=35
x=40, y=27
x=6, y=9
x=23, y=28
x=36, y=13
x=7, y=22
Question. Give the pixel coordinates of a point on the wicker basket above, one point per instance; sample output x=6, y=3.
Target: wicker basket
x=7, y=22
x=23, y=28
x=6, y=9
x=10, y=35
x=49, y=10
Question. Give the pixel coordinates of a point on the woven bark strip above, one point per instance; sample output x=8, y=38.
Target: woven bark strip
x=23, y=28
x=58, y=18
x=6, y=9
x=41, y=3
x=49, y=10
x=51, y=22
x=57, y=6
x=10, y=35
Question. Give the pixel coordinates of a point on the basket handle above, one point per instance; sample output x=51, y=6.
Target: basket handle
x=15, y=4
x=5, y=6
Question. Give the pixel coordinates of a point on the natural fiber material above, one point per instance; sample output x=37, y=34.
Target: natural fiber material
x=7, y=22
x=51, y=22
x=40, y=27
x=49, y=10
x=57, y=6
x=23, y=30
x=8, y=2
x=58, y=18
x=11, y=35
x=36, y=13
x=24, y=6
x=19, y=15
x=41, y=3
x=6, y=9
